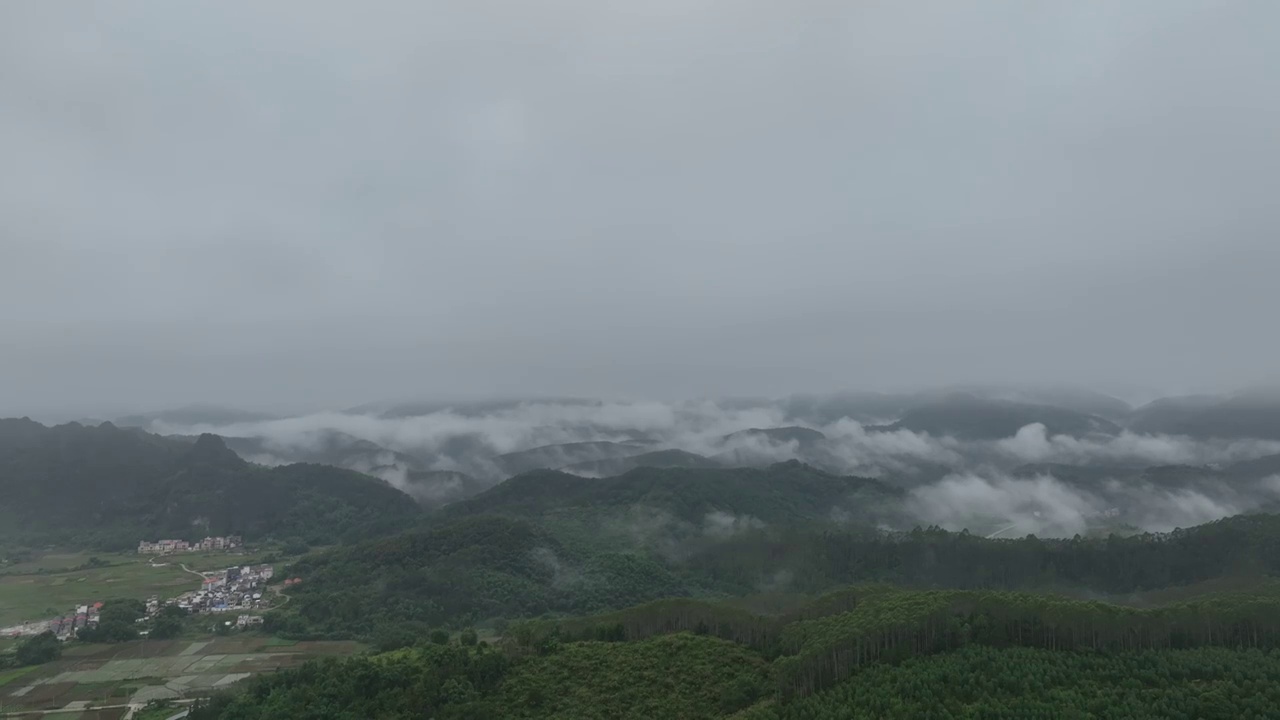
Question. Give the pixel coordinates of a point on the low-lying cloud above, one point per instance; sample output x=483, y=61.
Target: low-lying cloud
x=999, y=505
x=950, y=482
x=1033, y=444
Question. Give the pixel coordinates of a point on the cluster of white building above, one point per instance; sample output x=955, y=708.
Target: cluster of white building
x=168, y=547
x=237, y=588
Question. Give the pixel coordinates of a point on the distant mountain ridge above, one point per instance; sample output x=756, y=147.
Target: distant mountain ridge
x=107, y=485
x=784, y=492
x=659, y=458
x=1255, y=415
x=193, y=415
x=556, y=456
x=968, y=417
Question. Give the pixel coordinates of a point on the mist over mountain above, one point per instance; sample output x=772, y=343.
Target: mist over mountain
x=110, y=486
x=978, y=456
x=200, y=414
x=1255, y=414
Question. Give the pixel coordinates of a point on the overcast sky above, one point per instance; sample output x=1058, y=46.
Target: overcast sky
x=324, y=203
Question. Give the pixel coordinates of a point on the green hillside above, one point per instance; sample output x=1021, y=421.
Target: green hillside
x=868, y=652
x=1251, y=415
x=480, y=568
x=658, y=459
x=461, y=572
x=787, y=492
x=109, y=487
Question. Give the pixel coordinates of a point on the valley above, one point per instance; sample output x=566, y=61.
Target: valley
x=780, y=564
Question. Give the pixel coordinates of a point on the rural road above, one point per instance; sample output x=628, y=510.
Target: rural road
x=278, y=591
x=181, y=565
x=133, y=709
x=77, y=710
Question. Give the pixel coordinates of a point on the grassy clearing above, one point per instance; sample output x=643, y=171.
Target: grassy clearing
x=208, y=561
x=55, y=561
x=41, y=596
x=8, y=676
x=279, y=642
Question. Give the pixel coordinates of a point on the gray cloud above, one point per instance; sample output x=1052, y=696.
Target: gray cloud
x=450, y=436
x=1033, y=445
x=289, y=203
x=1005, y=506
x=980, y=485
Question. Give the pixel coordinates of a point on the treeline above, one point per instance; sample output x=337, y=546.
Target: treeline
x=815, y=561
x=470, y=571
x=864, y=652
x=897, y=625
x=448, y=682
x=477, y=569
x=826, y=641
x=33, y=650
x=668, y=677
x=990, y=683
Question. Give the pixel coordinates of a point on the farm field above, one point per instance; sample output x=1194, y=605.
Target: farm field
x=53, y=561
x=135, y=673
x=41, y=595
x=208, y=561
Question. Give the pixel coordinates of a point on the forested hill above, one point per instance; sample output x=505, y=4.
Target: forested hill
x=109, y=487
x=871, y=651
x=479, y=568
x=787, y=493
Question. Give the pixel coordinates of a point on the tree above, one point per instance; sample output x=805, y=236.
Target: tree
x=39, y=649
x=116, y=622
x=168, y=623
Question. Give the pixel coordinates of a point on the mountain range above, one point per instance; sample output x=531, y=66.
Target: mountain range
x=110, y=487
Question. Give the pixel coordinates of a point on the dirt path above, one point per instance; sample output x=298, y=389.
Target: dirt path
x=279, y=593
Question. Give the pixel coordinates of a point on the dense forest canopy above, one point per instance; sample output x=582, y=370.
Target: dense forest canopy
x=861, y=652
x=477, y=568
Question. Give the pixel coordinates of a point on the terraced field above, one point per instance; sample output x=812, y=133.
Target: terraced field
x=91, y=676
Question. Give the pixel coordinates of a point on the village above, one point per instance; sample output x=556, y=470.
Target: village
x=240, y=589
x=169, y=547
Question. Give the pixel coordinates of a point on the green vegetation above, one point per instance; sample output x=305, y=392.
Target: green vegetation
x=158, y=710
x=117, y=622
x=672, y=676
x=168, y=623
x=982, y=682
x=143, y=671
x=40, y=596
x=436, y=681
x=38, y=649
x=29, y=562
x=478, y=568
x=107, y=487
x=8, y=676
x=676, y=676
x=459, y=573
x=690, y=592
x=868, y=652
x=787, y=492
